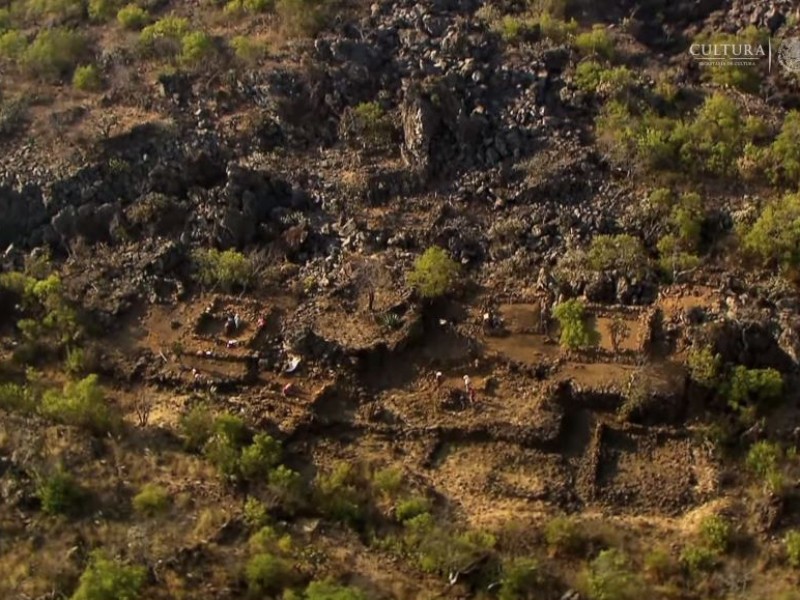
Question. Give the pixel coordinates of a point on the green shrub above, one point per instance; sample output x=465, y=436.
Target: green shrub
x=102, y=10
x=792, y=542
x=255, y=513
x=715, y=534
x=301, y=17
x=575, y=331
x=511, y=28
x=247, y=6
x=434, y=273
x=54, y=11
x=441, y=550
x=285, y=484
x=753, y=386
x=164, y=37
x=593, y=78
x=610, y=578
x=412, y=507
x=13, y=44
x=132, y=17
x=564, y=536
x=698, y=559
x=87, y=78
x=80, y=403
x=555, y=29
x=196, y=48
x=227, y=270
x=659, y=564
x=367, y=124
x=247, y=49
x=260, y=457
x=521, y=579
x=107, y=579
x=328, y=590
x=151, y=500
x=341, y=494
x=595, y=42
x=775, y=236
x=267, y=574
x=784, y=152
x=704, y=366
x=17, y=398
x=621, y=252
x=59, y=494
x=742, y=77
x=764, y=458
x=197, y=427
x=388, y=481
x=54, y=53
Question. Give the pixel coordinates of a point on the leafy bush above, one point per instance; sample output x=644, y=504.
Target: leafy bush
x=80, y=403
x=102, y=10
x=742, y=77
x=704, y=366
x=434, y=273
x=255, y=513
x=132, y=17
x=247, y=6
x=328, y=590
x=792, y=543
x=367, y=124
x=575, y=332
x=521, y=579
x=564, y=536
x=267, y=574
x=593, y=78
x=715, y=534
x=54, y=11
x=698, y=558
x=260, y=457
x=285, y=484
x=556, y=29
x=388, y=481
x=107, y=579
x=248, y=49
x=711, y=142
x=784, y=154
x=151, y=500
x=595, y=42
x=197, y=427
x=54, y=53
x=758, y=386
x=17, y=398
x=616, y=252
x=59, y=494
x=775, y=236
x=228, y=270
x=441, y=550
x=164, y=37
x=196, y=47
x=610, y=578
x=87, y=78
x=764, y=458
x=341, y=494
x=12, y=45
x=412, y=507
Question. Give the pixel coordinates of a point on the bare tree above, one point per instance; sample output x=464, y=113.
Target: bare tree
x=143, y=408
x=619, y=331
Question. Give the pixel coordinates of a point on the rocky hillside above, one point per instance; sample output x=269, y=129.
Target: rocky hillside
x=317, y=299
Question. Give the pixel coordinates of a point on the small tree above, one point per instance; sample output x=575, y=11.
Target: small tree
x=227, y=270
x=575, y=332
x=610, y=578
x=434, y=273
x=792, y=541
x=107, y=579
